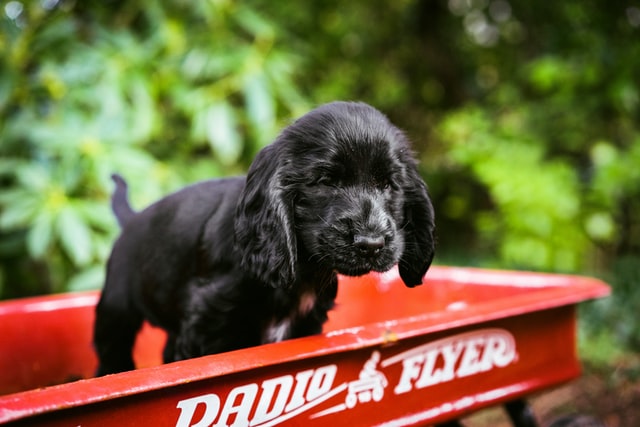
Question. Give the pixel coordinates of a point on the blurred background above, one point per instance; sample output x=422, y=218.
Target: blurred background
x=525, y=116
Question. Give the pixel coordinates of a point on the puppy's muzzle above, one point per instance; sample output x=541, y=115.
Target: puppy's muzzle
x=367, y=245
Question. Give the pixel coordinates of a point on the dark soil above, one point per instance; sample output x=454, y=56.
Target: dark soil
x=610, y=395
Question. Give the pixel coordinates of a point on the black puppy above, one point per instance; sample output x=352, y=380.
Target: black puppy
x=232, y=263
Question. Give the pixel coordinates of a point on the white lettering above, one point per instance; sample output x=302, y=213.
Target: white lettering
x=279, y=399
x=302, y=380
x=321, y=382
x=271, y=398
x=451, y=353
x=188, y=409
x=410, y=371
x=470, y=363
x=502, y=353
x=275, y=400
x=453, y=357
x=242, y=409
x=430, y=375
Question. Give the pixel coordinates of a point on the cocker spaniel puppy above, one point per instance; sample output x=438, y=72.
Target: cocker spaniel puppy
x=232, y=263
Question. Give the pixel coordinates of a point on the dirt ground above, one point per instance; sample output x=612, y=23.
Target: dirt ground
x=611, y=395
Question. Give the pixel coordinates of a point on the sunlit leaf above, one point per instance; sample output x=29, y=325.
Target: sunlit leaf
x=126, y=159
x=90, y=278
x=19, y=212
x=254, y=23
x=8, y=166
x=222, y=133
x=279, y=68
x=34, y=176
x=260, y=106
x=142, y=113
x=202, y=64
x=74, y=235
x=600, y=226
x=97, y=214
x=549, y=72
x=40, y=235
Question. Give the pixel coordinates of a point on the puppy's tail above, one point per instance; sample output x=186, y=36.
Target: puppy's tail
x=119, y=202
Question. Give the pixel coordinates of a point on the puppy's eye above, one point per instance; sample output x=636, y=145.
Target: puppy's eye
x=325, y=180
x=383, y=183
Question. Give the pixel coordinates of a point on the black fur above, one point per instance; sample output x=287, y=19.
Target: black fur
x=231, y=263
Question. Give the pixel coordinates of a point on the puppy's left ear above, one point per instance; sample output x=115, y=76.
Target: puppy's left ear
x=264, y=229
x=419, y=230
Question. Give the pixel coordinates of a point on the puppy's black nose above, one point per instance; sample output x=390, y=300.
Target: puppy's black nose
x=368, y=245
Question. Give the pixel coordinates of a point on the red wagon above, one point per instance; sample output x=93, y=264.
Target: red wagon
x=391, y=356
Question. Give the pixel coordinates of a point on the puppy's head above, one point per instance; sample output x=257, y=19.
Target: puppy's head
x=338, y=189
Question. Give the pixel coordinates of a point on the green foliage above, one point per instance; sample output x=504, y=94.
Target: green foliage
x=142, y=88
x=534, y=215
x=551, y=141
x=609, y=327
x=599, y=348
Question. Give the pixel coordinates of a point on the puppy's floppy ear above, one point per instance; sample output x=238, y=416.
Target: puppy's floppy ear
x=419, y=229
x=264, y=229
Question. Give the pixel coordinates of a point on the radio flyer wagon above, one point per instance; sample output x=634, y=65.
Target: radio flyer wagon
x=389, y=356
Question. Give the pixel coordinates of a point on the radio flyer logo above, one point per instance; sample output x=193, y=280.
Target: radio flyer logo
x=369, y=386
x=275, y=400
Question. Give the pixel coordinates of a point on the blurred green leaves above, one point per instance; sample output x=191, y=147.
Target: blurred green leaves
x=547, y=154
x=164, y=93
x=534, y=215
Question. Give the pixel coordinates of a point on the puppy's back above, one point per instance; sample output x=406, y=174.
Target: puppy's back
x=163, y=244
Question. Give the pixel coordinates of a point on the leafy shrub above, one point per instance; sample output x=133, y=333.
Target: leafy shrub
x=136, y=87
x=534, y=219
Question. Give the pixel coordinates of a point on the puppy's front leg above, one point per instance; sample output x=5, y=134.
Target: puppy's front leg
x=220, y=318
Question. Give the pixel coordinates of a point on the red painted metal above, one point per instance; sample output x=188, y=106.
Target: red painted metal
x=466, y=339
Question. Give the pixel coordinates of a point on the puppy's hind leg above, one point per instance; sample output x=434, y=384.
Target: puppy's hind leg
x=115, y=331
